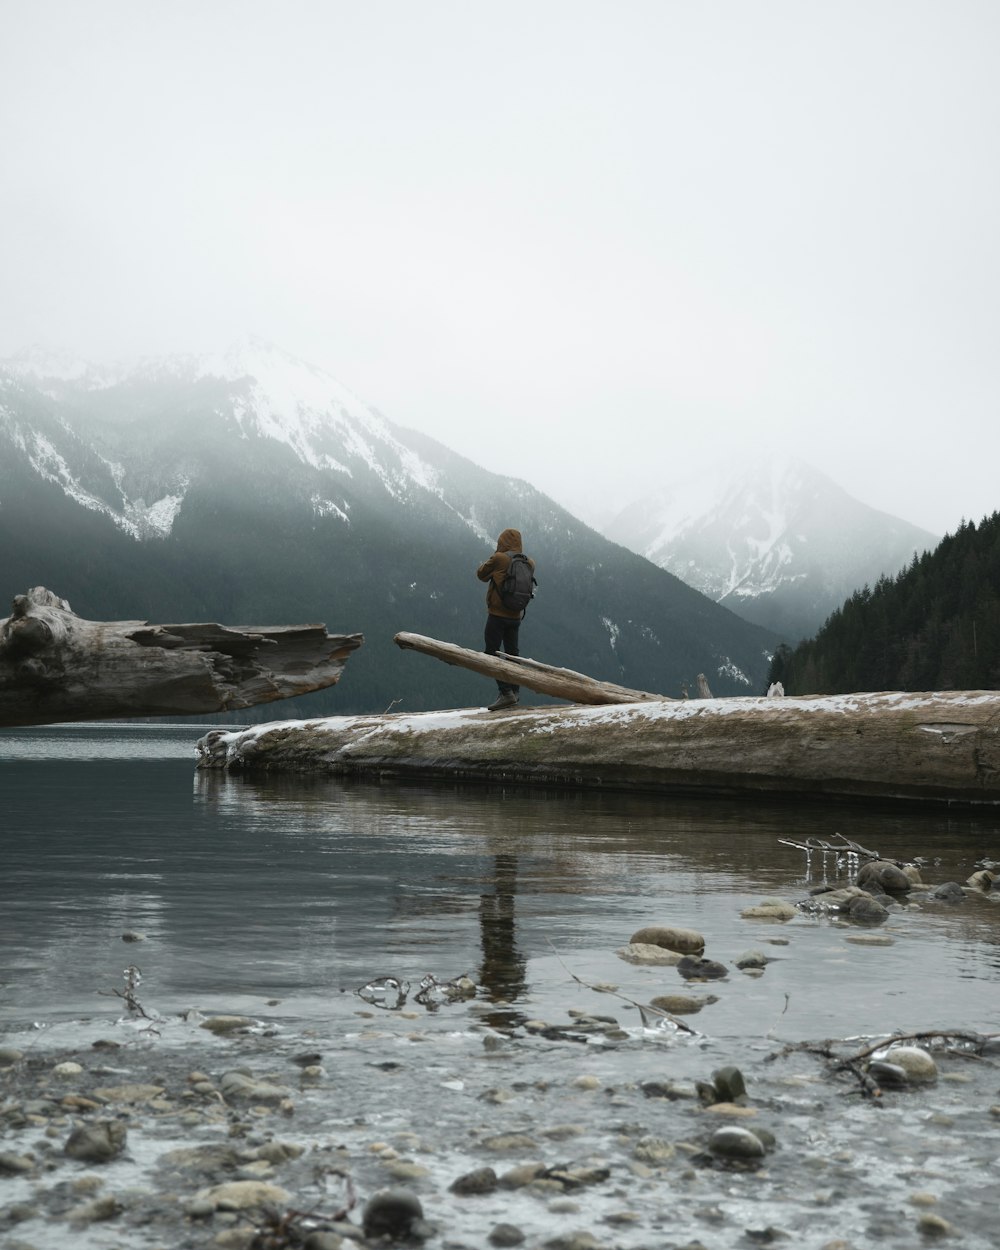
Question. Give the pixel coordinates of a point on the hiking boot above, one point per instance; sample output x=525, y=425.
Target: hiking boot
x=505, y=700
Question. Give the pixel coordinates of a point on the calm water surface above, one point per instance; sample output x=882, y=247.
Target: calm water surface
x=302, y=891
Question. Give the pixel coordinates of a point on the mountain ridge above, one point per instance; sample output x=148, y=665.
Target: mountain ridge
x=276, y=495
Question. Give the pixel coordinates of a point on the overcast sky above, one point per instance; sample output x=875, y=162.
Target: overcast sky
x=597, y=245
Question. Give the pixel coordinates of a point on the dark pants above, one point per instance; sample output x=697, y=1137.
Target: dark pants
x=501, y=631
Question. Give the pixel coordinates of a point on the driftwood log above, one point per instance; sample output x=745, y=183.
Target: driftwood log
x=938, y=747
x=518, y=670
x=55, y=666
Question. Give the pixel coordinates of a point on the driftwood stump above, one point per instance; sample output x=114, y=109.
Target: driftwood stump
x=55, y=666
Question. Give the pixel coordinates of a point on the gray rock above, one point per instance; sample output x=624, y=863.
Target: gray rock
x=574, y=1241
x=752, y=959
x=478, y=1181
x=884, y=875
x=948, y=892
x=692, y=969
x=865, y=910
x=238, y=1087
x=320, y=1240
x=915, y=1062
x=99, y=1142
x=682, y=1004
x=683, y=941
x=730, y=1142
x=770, y=909
x=13, y=1164
x=728, y=1084
x=392, y=1213
x=9, y=1056
x=506, y=1235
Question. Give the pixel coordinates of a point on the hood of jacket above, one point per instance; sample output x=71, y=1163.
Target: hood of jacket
x=509, y=541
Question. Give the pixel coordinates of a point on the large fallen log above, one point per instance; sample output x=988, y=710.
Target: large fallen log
x=942, y=748
x=55, y=666
x=518, y=670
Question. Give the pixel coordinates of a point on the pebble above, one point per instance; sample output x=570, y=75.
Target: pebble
x=647, y=953
x=509, y=1141
x=654, y=1150
x=242, y=1195
x=226, y=1024
x=506, y=1235
x=752, y=959
x=574, y=1241
x=96, y=1143
x=770, y=909
x=10, y=1056
x=11, y=1164
x=479, y=1181
x=922, y=1199
x=587, y=1082
x=729, y=1084
x=69, y=1068
x=870, y=939
x=238, y=1087
x=391, y=1213
x=683, y=941
x=131, y=1093
x=736, y=1143
x=693, y=969
x=682, y=1004
x=915, y=1062
x=932, y=1226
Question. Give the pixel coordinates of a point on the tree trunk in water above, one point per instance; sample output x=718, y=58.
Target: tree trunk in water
x=55, y=666
x=518, y=670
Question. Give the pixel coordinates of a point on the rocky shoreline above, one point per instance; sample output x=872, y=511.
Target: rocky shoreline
x=448, y=1120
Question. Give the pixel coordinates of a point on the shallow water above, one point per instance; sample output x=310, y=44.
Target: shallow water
x=280, y=899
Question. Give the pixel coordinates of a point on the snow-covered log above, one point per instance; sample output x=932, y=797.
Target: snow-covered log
x=942, y=747
x=55, y=666
x=518, y=670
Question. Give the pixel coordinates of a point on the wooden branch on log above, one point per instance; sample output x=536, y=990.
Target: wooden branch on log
x=55, y=666
x=518, y=670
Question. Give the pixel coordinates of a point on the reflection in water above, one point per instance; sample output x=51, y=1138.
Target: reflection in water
x=300, y=888
x=503, y=970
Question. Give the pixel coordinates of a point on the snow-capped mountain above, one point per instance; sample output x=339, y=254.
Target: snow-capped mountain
x=254, y=488
x=779, y=543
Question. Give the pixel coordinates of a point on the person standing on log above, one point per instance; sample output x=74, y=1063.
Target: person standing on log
x=506, y=604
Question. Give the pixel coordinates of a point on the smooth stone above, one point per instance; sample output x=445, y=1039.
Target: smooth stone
x=770, y=909
x=242, y=1195
x=683, y=941
x=730, y=1142
x=682, y=1004
x=128, y=1093
x=692, y=969
x=12, y=1164
x=478, y=1181
x=226, y=1024
x=647, y=953
x=519, y=1177
x=870, y=939
x=392, y=1213
x=9, y=1056
x=947, y=892
x=864, y=910
x=574, y=1241
x=653, y=1150
x=729, y=1084
x=587, y=1082
x=752, y=959
x=509, y=1141
x=130, y=935
x=884, y=874
x=922, y=1199
x=105, y=1208
x=242, y=1088
x=69, y=1068
x=320, y=1239
x=933, y=1226
x=915, y=1062
x=99, y=1142
x=982, y=880
x=506, y=1235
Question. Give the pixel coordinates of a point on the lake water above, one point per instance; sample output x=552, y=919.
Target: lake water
x=280, y=899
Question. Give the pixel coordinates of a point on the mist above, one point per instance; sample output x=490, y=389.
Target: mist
x=597, y=246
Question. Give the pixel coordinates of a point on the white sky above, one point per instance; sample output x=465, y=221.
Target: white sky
x=596, y=244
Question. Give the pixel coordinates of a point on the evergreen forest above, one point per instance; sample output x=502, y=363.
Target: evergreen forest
x=935, y=626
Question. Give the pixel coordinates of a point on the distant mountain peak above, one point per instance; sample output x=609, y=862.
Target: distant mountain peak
x=776, y=540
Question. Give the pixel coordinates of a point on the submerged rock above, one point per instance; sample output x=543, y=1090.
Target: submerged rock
x=769, y=909
x=947, y=892
x=915, y=1062
x=682, y=1004
x=99, y=1142
x=692, y=969
x=730, y=1142
x=683, y=941
x=885, y=875
x=392, y=1213
x=648, y=953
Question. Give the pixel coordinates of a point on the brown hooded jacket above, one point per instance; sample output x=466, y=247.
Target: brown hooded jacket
x=494, y=569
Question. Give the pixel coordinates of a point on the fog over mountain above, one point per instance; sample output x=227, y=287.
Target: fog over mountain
x=778, y=542
x=252, y=488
